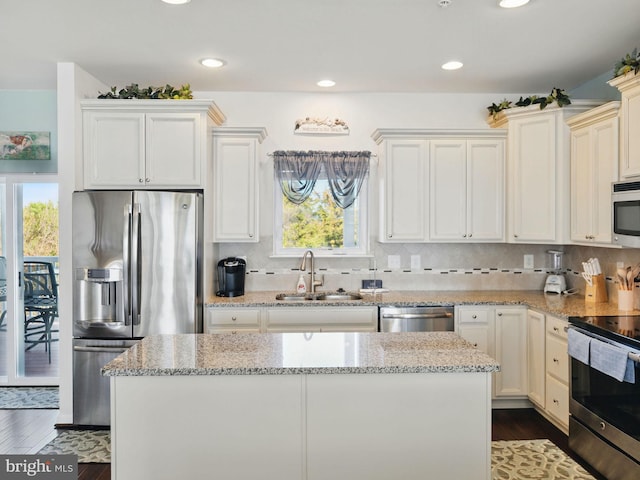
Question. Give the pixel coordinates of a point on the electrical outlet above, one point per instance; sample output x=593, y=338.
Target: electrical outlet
x=415, y=262
x=393, y=262
x=620, y=265
x=528, y=261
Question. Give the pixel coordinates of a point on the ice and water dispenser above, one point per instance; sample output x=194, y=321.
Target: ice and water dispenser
x=97, y=297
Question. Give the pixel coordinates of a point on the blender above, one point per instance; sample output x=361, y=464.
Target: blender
x=555, y=282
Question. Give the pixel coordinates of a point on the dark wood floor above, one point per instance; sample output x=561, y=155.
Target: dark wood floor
x=27, y=431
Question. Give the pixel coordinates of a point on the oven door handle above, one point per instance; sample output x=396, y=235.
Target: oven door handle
x=634, y=356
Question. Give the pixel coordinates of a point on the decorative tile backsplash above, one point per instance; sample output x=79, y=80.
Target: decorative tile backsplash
x=459, y=266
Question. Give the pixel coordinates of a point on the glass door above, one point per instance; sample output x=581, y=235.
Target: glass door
x=29, y=256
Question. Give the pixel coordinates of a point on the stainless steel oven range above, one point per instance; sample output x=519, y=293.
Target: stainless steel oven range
x=604, y=422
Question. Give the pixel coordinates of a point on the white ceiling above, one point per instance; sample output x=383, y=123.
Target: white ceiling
x=288, y=45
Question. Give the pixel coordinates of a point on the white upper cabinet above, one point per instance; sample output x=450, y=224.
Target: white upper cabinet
x=441, y=185
x=235, y=184
x=146, y=143
x=594, y=166
x=538, y=171
x=403, y=169
x=629, y=86
x=467, y=190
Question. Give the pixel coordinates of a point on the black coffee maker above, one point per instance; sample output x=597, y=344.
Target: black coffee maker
x=231, y=272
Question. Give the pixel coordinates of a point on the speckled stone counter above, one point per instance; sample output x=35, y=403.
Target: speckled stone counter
x=300, y=353
x=562, y=306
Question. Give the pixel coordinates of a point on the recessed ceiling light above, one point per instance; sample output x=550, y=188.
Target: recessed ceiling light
x=326, y=83
x=512, y=3
x=453, y=65
x=212, y=62
x=176, y=2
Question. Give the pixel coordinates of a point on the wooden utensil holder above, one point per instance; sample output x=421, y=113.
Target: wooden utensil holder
x=597, y=291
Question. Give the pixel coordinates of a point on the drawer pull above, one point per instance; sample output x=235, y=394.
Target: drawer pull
x=556, y=361
x=474, y=316
x=556, y=402
x=234, y=318
x=555, y=329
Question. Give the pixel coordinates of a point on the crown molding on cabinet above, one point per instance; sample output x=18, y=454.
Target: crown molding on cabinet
x=259, y=133
x=150, y=106
x=595, y=115
x=380, y=134
x=624, y=82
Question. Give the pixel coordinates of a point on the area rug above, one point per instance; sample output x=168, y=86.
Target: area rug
x=13, y=398
x=533, y=459
x=91, y=446
x=510, y=460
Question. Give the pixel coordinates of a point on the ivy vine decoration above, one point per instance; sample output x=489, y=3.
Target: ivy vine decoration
x=134, y=91
x=630, y=62
x=557, y=95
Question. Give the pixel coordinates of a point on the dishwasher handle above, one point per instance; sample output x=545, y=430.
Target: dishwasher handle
x=417, y=315
x=101, y=349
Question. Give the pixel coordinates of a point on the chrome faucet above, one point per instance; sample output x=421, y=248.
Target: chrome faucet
x=303, y=266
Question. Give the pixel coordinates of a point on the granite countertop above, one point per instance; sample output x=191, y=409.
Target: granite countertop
x=300, y=353
x=559, y=305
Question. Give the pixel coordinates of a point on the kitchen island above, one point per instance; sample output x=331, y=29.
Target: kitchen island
x=302, y=406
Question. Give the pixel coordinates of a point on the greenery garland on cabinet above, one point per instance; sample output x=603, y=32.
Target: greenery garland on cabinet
x=167, y=92
x=630, y=62
x=557, y=95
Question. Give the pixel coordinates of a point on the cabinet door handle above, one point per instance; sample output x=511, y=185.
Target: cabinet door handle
x=464, y=236
x=470, y=235
x=140, y=180
x=233, y=318
x=515, y=235
x=556, y=361
x=474, y=316
x=147, y=180
x=499, y=314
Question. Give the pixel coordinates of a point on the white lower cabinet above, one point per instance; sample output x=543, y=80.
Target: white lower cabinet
x=536, y=357
x=549, y=367
x=291, y=319
x=500, y=332
x=557, y=371
x=321, y=319
x=227, y=320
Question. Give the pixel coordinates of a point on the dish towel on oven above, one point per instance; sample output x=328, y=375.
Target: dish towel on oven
x=613, y=361
x=578, y=345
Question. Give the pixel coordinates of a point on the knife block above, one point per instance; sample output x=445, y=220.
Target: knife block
x=597, y=292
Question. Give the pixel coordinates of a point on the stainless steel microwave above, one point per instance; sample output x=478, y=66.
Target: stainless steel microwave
x=625, y=200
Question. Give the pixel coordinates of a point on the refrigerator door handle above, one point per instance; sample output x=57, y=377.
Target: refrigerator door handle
x=126, y=264
x=135, y=262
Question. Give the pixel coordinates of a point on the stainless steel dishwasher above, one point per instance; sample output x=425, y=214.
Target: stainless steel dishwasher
x=415, y=319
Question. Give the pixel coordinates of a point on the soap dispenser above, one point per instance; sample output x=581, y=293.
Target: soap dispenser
x=302, y=286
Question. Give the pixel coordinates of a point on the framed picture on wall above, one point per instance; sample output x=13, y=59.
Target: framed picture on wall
x=25, y=145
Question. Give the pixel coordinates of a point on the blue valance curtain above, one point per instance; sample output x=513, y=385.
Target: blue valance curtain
x=297, y=173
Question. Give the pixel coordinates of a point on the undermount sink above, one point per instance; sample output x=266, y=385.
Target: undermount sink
x=340, y=296
x=305, y=297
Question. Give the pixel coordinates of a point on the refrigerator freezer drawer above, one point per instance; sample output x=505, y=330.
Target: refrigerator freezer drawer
x=90, y=389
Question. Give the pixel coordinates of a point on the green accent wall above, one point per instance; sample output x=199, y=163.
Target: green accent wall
x=34, y=111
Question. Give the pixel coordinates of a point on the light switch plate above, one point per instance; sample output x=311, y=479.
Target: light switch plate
x=528, y=261
x=393, y=261
x=415, y=262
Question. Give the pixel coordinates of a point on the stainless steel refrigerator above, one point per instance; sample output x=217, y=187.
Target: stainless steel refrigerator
x=137, y=272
